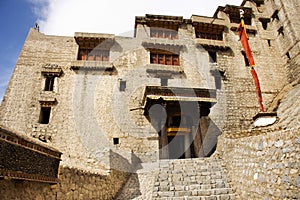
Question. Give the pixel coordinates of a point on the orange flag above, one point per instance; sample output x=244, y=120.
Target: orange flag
x=245, y=44
x=244, y=41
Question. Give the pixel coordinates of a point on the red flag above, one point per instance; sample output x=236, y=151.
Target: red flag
x=245, y=44
x=258, y=91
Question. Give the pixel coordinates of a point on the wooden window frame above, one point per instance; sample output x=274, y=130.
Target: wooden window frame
x=164, y=58
x=49, y=83
x=93, y=54
x=207, y=35
x=157, y=32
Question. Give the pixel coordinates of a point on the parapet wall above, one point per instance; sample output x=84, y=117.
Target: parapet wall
x=265, y=166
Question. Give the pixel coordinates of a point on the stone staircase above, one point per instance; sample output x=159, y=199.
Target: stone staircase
x=184, y=179
x=201, y=178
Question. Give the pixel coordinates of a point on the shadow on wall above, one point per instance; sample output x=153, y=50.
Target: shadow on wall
x=210, y=133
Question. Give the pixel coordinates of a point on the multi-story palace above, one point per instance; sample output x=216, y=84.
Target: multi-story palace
x=178, y=89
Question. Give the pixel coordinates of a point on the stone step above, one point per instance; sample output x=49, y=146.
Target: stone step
x=180, y=191
x=182, y=176
x=212, y=197
x=191, y=187
x=202, y=178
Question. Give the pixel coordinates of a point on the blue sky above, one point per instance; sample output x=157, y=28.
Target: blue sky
x=16, y=18
x=60, y=17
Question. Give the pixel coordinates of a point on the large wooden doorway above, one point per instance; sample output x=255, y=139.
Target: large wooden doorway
x=176, y=147
x=175, y=113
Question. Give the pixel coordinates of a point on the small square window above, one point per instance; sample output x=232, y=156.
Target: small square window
x=116, y=141
x=122, y=85
x=164, y=81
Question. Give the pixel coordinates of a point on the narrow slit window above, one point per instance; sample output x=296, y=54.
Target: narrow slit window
x=49, y=83
x=275, y=15
x=45, y=115
x=288, y=55
x=245, y=58
x=269, y=43
x=280, y=31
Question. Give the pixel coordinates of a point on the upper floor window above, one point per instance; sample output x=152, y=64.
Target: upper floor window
x=44, y=115
x=49, y=83
x=158, y=32
x=164, y=58
x=210, y=36
x=50, y=73
x=209, y=31
x=93, y=55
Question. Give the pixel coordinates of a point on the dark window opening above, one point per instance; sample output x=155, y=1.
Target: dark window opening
x=280, y=31
x=164, y=59
x=45, y=115
x=212, y=56
x=116, y=141
x=236, y=19
x=245, y=58
x=122, y=85
x=164, y=81
x=208, y=35
x=163, y=33
x=275, y=15
x=49, y=83
x=269, y=43
x=93, y=55
x=288, y=55
x=264, y=22
x=259, y=3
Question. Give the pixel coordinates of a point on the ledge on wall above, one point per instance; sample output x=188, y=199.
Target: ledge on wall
x=102, y=66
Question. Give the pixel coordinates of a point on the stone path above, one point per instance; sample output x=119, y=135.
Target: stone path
x=184, y=179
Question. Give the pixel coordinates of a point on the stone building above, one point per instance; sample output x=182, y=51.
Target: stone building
x=179, y=89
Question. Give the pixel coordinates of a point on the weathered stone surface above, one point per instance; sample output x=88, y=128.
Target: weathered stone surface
x=88, y=110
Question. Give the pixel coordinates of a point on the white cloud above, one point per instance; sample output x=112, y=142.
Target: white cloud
x=64, y=17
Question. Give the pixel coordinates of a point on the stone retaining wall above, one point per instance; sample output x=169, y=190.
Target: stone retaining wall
x=264, y=166
x=74, y=184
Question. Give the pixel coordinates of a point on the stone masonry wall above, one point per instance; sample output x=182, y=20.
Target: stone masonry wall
x=241, y=99
x=74, y=184
x=90, y=111
x=265, y=166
